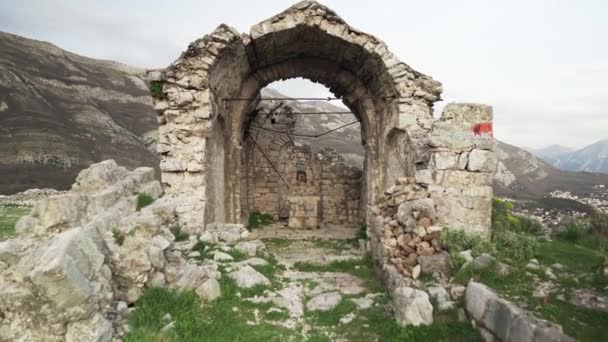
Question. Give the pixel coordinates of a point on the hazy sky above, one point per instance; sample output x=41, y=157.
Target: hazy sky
x=542, y=64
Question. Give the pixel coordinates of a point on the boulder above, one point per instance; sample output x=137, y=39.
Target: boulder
x=504, y=321
x=324, y=301
x=412, y=307
x=96, y=329
x=65, y=269
x=247, y=277
x=436, y=263
x=250, y=248
x=209, y=290
x=10, y=251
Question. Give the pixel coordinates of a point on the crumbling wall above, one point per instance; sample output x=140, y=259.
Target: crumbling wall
x=462, y=165
x=275, y=167
x=221, y=74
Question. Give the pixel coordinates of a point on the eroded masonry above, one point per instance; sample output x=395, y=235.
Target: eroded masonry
x=221, y=169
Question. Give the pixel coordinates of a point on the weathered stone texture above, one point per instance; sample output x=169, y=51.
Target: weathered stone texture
x=80, y=252
x=276, y=168
x=307, y=40
x=502, y=320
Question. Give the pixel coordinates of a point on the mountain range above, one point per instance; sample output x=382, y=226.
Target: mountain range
x=60, y=112
x=591, y=158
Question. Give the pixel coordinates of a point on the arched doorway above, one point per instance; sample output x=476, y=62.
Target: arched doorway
x=214, y=86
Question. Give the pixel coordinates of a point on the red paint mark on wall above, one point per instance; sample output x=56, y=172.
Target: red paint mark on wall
x=483, y=128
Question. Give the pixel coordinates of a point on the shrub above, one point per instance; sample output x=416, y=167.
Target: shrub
x=156, y=88
x=503, y=220
x=457, y=241
x=515, y=246
x=144, y=200
x=179, y=234
x=573, y=231
x=119, y=237
x=258, y=219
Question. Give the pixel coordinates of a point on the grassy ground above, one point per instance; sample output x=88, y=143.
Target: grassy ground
x=8, y=218
x=233, y=318
x=582, y=271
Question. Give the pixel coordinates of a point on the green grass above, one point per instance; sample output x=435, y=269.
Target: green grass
x=583, y=271
x=332, y=317
x=225, y=319
x=258, y=219
x=179, y=234
x=156, y=88
x=144, y=200
x=9, y=215
x=118, y=236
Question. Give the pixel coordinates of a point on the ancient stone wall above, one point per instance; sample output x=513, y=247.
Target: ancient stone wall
x=213, y=85
x=275, y=168
x=462, y=164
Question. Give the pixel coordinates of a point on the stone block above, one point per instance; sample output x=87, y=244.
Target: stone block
x=303, y=212
x=66, y=267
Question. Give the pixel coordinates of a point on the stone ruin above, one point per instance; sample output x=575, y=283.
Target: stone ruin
x=290, y=180
x=208, y=106
x=82, y=257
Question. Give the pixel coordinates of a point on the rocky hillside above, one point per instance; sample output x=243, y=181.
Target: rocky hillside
x=591, y=158
x=61, y=112
x=521, y=174
x=346, y=141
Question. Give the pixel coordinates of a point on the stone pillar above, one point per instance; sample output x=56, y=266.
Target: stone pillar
x=461, y=168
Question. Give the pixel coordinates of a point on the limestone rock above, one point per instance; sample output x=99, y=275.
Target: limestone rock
x=505, y=320
x=482, y=161
x=483, y=261
x=250, y=248
x=324, y=301
x=189, y=277
x=221, y=256
x=435, y=263
x=248, y=277
x=412, y=306
x=66, y=266
x=96, y=329
x=10, y=251
x=209, y=290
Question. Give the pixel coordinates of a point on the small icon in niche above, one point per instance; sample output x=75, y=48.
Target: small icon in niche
x=301, y=176
x=301, y=172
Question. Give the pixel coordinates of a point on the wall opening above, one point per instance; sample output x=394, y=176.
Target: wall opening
x=302, y=159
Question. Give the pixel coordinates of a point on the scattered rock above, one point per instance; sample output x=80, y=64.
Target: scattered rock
x=441, y=296
x=221, y=256
x=436, y=263
x=209, y=290
x=412, y=306
x=348, y=318
x=483, y=261
x=96, y=329
x=250, y=248
x=416, y=270
x=467, y=255
x=324, y=301
x=502, y=320
x=590, y=300
x=457, y=291
x=247, y=277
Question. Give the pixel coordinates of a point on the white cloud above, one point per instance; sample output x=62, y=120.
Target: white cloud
x=541, y=64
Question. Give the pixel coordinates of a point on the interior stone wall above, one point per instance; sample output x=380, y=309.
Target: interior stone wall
x=271, y=174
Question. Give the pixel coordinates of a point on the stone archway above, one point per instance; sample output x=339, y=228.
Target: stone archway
x=212, y=88
x=209, y=92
